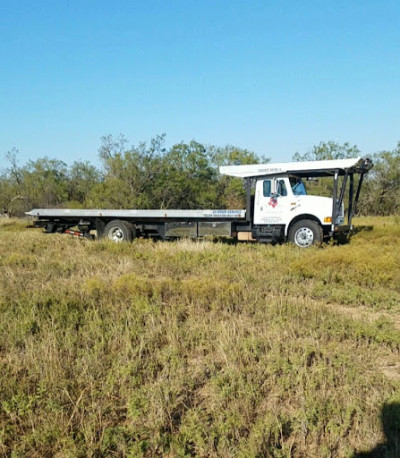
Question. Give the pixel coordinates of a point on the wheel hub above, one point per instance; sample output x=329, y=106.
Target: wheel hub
x=304, y=237
x=116, y=235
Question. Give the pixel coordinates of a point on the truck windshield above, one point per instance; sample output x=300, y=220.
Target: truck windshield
x=298, y=187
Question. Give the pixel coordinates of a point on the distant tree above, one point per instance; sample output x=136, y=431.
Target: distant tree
x=112, y=147
x=8, y=194
x=187, y=178
x=381, y=194
x=152, y=176
x=129, y=173
x=232, y=155
x=82, y=177
x=328, y=150
x=45, y=182
x=14, y=170
x=12, y=194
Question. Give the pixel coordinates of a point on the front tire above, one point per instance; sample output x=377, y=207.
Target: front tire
x=305, y=233
x=120, y=231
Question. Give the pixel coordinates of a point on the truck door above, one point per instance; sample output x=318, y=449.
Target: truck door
x=262, y=196
x=273, y=201
x=279, y=204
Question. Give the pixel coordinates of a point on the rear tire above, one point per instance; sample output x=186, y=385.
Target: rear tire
x=120, y=231
x=305, y=233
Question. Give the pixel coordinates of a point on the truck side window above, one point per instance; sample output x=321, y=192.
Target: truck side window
x=298, y=187
x=281, y=188
x=267, y=188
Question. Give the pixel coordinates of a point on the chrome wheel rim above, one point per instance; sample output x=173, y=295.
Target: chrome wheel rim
x=304, y=237
x=116, y=234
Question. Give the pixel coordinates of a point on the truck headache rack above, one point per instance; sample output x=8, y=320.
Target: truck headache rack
x=362, y=169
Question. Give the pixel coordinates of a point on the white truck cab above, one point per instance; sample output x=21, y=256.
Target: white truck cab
x=280, y=199
x=283, y=200
x=282, y=209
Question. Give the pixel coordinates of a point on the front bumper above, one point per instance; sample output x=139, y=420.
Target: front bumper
x=341, y=233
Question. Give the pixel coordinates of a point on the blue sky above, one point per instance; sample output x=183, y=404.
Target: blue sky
x=271, y=76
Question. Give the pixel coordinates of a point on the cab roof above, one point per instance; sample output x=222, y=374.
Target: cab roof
x=301, y=169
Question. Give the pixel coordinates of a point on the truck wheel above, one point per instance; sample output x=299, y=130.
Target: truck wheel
x=305, y=233
x=120, y=231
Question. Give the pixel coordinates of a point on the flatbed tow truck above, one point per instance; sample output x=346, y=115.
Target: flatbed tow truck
x=278, y=209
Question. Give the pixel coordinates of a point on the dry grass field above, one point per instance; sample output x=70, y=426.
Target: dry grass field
x=197, y=348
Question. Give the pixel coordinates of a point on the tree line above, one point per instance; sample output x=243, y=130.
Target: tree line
x=150, y=175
